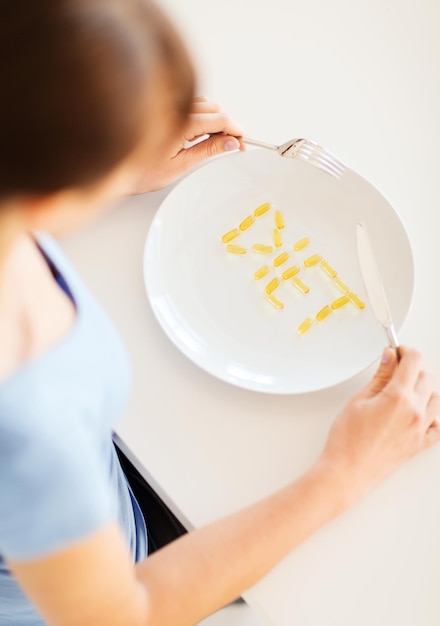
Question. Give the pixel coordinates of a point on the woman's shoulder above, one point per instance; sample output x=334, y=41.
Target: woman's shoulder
x=73, y=362
x=35, y=313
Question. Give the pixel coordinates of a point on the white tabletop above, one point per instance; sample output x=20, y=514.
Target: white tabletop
x=361, y=78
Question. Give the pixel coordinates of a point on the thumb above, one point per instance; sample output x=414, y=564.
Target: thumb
x=213, y=145
x=433, y=434
x=384, y=372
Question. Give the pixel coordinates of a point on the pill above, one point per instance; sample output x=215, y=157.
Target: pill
x=277, y=239
x=336, y=304
x=301, y=244
x=262, y=209
x=312, y=260
x=247, y=222
x=357, y=301
x=305, y=325
x=328, y=269
x=261, y=272
x=323, y=313
x=279, y=220
x=276, y=303
x=300, y=285
x=272, y=285
x=229, y=236
x=261, y=248
x=280, y=259
x=235, y=249
x=290, y=272
x=341, y=285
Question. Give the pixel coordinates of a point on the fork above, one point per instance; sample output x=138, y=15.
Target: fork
x=305, y=150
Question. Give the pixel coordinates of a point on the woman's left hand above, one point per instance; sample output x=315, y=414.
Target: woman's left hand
x=206, y=118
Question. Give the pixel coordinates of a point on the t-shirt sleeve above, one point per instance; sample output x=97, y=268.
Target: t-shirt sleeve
x=53, y=489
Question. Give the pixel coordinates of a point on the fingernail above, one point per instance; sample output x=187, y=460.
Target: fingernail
x=387, y=356
x=231, y=144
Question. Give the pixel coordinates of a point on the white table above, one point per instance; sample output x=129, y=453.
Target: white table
x=361, y=78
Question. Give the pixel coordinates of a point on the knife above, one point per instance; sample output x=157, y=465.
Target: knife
x=374, y=286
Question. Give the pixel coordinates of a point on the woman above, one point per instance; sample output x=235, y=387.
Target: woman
x=98, y=101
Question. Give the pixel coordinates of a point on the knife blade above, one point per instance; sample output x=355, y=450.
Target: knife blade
x=374, y=286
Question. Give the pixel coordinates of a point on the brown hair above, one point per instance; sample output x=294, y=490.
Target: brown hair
x=75, y=79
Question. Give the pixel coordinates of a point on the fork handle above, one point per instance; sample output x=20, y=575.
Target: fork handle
x=260, y=144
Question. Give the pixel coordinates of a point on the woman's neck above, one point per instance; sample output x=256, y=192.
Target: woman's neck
x=13, y=327
x=34, y=312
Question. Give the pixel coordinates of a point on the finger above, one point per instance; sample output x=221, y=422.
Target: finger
x=432, y=421
x=207, y=106
x=424, y=387
x=210, y=147
x=433, y=412
x=205, y=136
x=409, y=367
x=211, y=123
x=433, y=435
x=383, y=374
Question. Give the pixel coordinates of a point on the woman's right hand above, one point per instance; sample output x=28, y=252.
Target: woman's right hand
x=390, y=420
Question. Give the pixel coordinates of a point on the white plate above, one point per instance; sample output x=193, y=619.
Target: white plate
x=211, y=308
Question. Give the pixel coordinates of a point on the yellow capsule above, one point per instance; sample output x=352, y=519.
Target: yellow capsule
x=279, y=220
x=280, y=259
x=290, y=272
x=336, y=304
x=277, y=238
x=328, y=269
x=272, y=285
x=235, y=249
x=247, y=222
x=312, y=260
x=341, y=285
x=301, y=244
x=261, y=248
x=305, y=325
x=261, y=272
x=323, y=313
x=262, y=209
x=300, y=285
x=276, y=303
x=232, y=234
x=356, y=300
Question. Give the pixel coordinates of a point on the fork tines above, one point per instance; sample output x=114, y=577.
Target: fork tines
x=316, y=155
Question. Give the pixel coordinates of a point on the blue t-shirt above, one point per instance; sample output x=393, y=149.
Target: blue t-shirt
x=60, y=478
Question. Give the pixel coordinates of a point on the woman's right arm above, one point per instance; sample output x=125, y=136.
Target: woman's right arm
x=390, y=420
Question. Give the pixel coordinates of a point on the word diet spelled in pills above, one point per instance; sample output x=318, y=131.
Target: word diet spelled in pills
x=291, y=273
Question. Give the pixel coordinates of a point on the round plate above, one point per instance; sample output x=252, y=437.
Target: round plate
x=212, y=309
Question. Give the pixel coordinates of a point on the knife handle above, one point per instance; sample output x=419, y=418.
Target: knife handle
x=393, y=341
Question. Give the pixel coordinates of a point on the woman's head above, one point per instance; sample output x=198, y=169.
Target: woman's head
x=82, y=82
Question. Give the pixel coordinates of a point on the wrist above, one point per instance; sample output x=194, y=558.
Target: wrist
x=341, y=485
